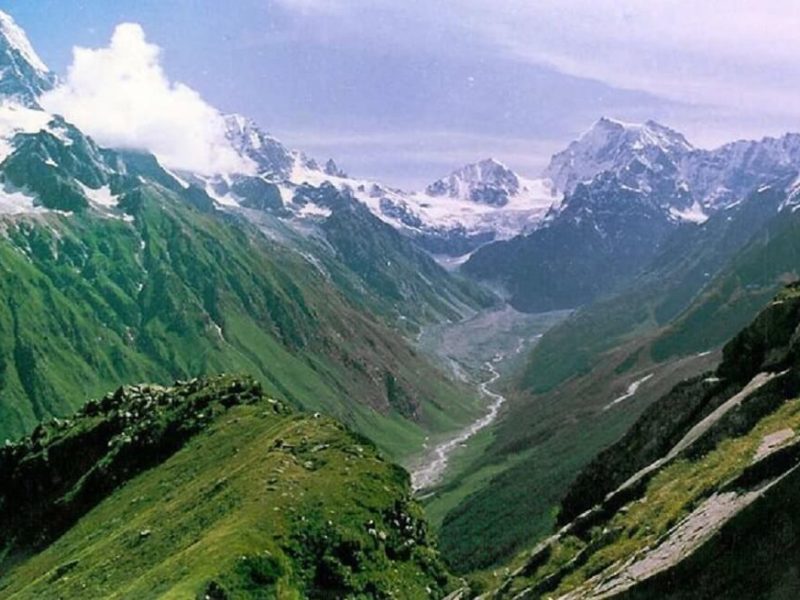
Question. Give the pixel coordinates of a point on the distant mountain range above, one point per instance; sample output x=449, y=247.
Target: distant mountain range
x=627, y=189
x=607, y=203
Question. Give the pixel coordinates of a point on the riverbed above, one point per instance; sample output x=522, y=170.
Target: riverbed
x=479, y=350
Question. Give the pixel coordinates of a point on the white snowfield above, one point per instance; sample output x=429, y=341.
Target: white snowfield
x=17, y=203
x=525, y=209
x=14, y=119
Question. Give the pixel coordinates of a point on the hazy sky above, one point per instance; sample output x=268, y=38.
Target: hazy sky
x=405, y=91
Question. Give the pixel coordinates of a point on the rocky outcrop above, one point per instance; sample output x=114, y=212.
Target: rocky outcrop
x=678, y=508
x=769, y=344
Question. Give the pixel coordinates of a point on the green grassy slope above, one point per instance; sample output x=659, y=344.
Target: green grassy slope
x=210, y=489
x=770, y=260
x=167, y=287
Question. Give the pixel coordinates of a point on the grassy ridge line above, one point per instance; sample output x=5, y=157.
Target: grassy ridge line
x=260, y=503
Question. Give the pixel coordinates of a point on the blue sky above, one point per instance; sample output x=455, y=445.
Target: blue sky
x=407, y=91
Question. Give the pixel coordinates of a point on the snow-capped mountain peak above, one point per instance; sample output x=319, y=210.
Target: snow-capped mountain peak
x=639, y=135
x=272, y=159
x=486, y=182
x=612, y=145
x=23, y=75
x=16, y=38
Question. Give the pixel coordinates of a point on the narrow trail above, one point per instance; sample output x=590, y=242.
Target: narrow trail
x=430, y=472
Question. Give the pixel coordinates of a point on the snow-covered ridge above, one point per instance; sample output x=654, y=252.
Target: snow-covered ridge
x=18, y=40
x=611, y=145
x=422, y=211
x=689, y=183
x=485, y=200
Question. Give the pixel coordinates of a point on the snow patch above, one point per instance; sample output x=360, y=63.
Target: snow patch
x=17, y=203
x=182, y=182
x=314, y=210
x=101, y=197
x=14, y=119
x=693, y=214
x=630, y=392
x=222, y=199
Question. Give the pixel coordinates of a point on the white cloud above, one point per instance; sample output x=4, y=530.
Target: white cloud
x=121, y=96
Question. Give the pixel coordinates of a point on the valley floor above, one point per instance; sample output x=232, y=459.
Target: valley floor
x=480, y=350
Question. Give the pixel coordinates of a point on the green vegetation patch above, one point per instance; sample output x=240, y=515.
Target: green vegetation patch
x=673, y=493
x=260, y=503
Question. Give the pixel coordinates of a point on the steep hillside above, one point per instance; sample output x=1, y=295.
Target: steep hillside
x=208, y=489
x=686, y=266
x=604, y=227
x=677, y=508
x=591, y=376
x=117, y=272
x=770, y=258
x=372, y=261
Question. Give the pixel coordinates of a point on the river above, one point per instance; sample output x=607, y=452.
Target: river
x=494, y=341
x=430, y=472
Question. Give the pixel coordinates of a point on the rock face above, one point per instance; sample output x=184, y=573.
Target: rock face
x=331, y=168
x=678, y=507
